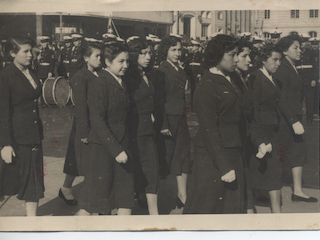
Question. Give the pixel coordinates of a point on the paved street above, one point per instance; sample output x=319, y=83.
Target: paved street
x=57, y=126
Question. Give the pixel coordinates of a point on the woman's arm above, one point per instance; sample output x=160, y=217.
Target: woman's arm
x=207, y=108
x=79, y=85
x=98, y=110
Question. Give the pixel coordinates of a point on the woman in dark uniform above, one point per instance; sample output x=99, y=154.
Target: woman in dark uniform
x=216, y=184
x=21, y=166
x=265, y=166
x=88, y=63
x=294, y=149
x=170, y=113
x=141, y=121
x=110, y=168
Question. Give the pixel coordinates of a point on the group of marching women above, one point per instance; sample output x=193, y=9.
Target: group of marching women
x=129, y=114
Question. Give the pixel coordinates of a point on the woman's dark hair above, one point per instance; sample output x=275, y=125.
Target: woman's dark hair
x=13, y=44
x=266, y=52
x=285, y=42
x=166, y=43
x=216, y=48
x=243, y=43
x=135, y=47
x=111, y=51
x=85, y=51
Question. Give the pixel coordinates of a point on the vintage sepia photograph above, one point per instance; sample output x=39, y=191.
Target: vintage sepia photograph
x=156, y=115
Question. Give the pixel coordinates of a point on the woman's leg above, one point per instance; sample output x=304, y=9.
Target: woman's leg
x=152, y=200
x=66, y=189
x=31, y=209
x=297, y=182
x=275, y=199
x=124, y=211
x=182, y=187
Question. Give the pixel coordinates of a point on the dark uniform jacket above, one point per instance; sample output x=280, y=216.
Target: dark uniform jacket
x=305, y=67
x=218, y=106
x=75, y=52
x=291, y=92
x=108, y=104
x=195, y=63
x=141, y=103
x=19, y=114
x=66, y=58
x=45, y=63
x=169, y=85
x=266, y=111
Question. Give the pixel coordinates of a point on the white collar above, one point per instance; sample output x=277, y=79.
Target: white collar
x=215, y=70
x=173, y=65
x=267, y=74
x=119, y=80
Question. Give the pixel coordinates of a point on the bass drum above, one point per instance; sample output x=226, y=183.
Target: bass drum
x=56, y=91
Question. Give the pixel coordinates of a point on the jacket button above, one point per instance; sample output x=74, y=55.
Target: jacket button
x=34, y=110
x=35, y=100
x=35, y=121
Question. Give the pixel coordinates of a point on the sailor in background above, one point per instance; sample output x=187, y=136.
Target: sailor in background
x=65, y=61
x=195, y=63
x=275, y=36
x=45, y=60
x=254, y=54
x=75, y=51
x=109, y=38
x=305, y=70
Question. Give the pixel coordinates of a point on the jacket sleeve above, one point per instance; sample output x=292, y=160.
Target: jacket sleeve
x=256, y=133
x=288, y=98
x=79, y=88
x=98, y=112
x=160, y=93
x=5, y=112
x=52, y=61
x=207, y=108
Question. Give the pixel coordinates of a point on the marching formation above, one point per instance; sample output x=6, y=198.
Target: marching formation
x=130, y=123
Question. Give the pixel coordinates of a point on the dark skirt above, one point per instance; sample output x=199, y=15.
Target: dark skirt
x=292, y=148
x=207, y=193
x=266, y=173
x=178, y=145
x=77, y=154
x=107, y=183
x=146, y=164
x=25, y=175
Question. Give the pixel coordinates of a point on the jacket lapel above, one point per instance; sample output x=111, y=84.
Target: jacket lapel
x=222, y=80
x=25, y=82
x=274, y=87
x=110, y=79
x=172, y=70
x=288, y=65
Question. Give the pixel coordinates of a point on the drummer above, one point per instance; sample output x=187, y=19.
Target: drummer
x=75, y=51
x=66, y=54
x=45, y=59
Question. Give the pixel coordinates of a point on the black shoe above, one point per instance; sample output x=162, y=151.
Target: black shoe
x=69, y=202
x=296, y=198
x=179, y=203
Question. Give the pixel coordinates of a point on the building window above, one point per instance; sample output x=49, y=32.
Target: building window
x=208, y=14
x=204, y=30
x=294, y=13
x=313, y=34
x=266, y=14
x=220, y=15
x=204, y=14
x=314, y=13
x=266, y=35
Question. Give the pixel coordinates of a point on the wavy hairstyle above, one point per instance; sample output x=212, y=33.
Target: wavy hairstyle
x=285, y=43
x=85, y=51
x=166, y=43
x=111, y=51
x=266, y=52
x=216, y=48
x=135, y=47
x=14, y=44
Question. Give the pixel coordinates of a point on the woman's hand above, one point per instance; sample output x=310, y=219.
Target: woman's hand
x=298, y=128
x=122, y=157
x=166, y=132
x=84, y=140
x=6, y=153
x=229, y=176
